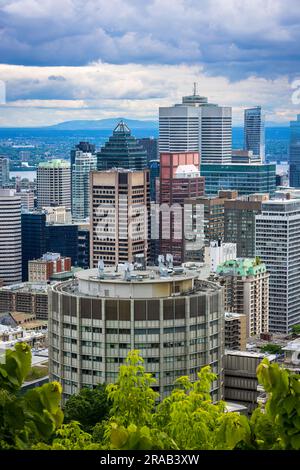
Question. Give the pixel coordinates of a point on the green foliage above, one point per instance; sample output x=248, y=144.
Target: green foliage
x=132, y=397
x=271, y=349
x=185, y=420
x=283, y=405
x=88, y=407
x=70, y=437
x=15, y=368
x=29, y=418
x=296, y=329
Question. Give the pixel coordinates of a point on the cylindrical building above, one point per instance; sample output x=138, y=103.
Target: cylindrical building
x=174, y=318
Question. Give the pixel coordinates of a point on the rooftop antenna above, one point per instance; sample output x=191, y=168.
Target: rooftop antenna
x=195, y=88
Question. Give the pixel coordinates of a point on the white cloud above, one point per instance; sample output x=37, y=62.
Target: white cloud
x=100, y=90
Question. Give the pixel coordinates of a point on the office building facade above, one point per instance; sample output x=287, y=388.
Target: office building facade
x=239, y=225
x=179, y=180
x=197, y=126
x=84, y=163
x=254, y=132
x=10, y=237
x=120, y=216
x=246, y=288
x=278, y=245
x=246, y=179
x=294, y=158
x=54, y=184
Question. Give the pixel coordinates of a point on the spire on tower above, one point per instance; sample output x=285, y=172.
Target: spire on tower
x=195, y=88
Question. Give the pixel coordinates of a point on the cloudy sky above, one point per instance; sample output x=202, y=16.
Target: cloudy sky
x=92, y=59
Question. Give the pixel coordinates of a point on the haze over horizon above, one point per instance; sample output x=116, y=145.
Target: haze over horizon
x=88, y=63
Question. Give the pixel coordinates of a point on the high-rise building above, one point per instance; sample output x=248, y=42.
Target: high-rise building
x=120, y=213
x=235, y=331
x=246, y=291
x=175, y=320
x=34, y=242
x=197, y=126
x=154, y=170
x=150, y=146
x=63, y=239
x=254, y=132
x=179, y=180
x=85, y=147
x=239, y=224
x=294, y=158
x=10, y=237
x=122, y=151
x=213, y=208
x=246, y=179
x=4, y=172
x=27, y=199
x=84, y=163
x=83, y=259
x=54, y=184
x=278, y=245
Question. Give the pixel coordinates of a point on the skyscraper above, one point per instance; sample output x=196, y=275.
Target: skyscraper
x=10, y=237
x=120, y=212
x=54, y=184
x=254, y=132
x=239, y=224
x=122, y=151
x=83, y=164
x=295, y=153
x=246, y=291
x=34, y=243
x=196, y=126
x=278, y=245
x=4, y=172
x=179, y=180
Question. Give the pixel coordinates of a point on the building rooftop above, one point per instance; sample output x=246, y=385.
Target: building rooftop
x=152, y=282
x=27, y=287
x=242, y=267
x=54, y=164
x=253, y=354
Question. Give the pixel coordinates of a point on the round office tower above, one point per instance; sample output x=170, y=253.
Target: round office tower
x=171, y=315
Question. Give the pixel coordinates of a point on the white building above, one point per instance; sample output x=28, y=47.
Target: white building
x=218, y=252
x=278, y=245
x=84, y=163
x=10, y=237
x=54, y=184
x=27, y=200
x=197, y=126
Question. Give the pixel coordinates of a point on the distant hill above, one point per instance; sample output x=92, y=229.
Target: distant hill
x=103, y=124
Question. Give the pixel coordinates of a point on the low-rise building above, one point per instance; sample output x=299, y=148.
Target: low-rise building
x=41, y=270
x=235, y=331
x=241, y=384
x=26, y=298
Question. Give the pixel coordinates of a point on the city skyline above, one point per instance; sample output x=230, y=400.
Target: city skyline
x=88, y=64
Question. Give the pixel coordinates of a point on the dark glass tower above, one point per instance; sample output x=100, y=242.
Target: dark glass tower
x=33, y=238
x=122, y=151
x=295, y=153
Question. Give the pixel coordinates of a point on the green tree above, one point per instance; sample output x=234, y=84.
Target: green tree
x=296, y=329
x=29, y=418
x=271, y=349
x=88, y=407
